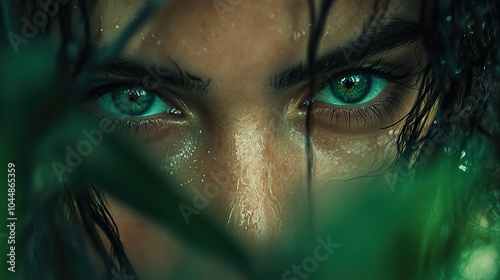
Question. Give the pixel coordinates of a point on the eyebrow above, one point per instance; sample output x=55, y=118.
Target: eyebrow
x=155, y=75
x=381, y=39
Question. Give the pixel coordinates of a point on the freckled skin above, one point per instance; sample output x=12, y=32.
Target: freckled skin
x=251, y=144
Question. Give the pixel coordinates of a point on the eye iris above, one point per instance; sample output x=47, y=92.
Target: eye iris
x=352, y=89
x=132, y=101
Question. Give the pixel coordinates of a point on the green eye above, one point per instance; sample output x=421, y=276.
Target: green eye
x=134, y=102
x=352, y=90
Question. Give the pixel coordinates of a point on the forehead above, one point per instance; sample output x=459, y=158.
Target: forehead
x=214, y=35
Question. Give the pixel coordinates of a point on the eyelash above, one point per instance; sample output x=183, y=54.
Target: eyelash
x=367, y=114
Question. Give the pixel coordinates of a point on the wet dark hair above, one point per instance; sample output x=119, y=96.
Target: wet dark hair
x=453, y=127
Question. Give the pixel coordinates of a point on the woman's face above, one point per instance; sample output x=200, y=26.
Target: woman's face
x=216, y=90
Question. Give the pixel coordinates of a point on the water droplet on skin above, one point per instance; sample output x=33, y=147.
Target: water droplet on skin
x=175, y=111
x=208, y=152
x=186, y=183
x=158, y=42
x=201, y=131
x=101, y=30
x=117, y=26
x=448, y=18
x=152, y=35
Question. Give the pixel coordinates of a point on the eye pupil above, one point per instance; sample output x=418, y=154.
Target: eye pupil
x=133, y=97
x=132, y=101
x=349, y=83
x=352, y=89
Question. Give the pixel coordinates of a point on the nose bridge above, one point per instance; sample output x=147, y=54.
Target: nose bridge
x=250, y=149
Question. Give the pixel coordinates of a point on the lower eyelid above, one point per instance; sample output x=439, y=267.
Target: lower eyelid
x=142, y=127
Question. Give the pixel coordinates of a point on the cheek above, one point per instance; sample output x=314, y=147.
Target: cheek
x=175, y=151
x=344, y=157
